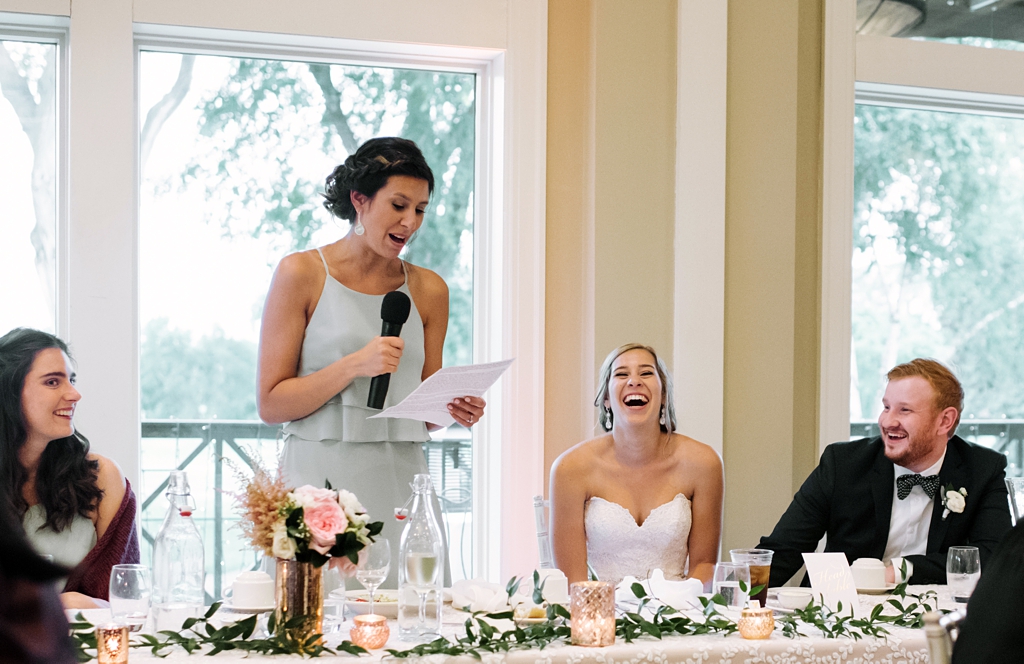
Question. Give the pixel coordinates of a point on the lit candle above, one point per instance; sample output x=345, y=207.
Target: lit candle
x=756, y=623
x=592, y=607
x=112, y=643
x=370, y=631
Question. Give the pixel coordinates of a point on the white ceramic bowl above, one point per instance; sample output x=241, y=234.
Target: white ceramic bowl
x=358, y=602
x=794, y=598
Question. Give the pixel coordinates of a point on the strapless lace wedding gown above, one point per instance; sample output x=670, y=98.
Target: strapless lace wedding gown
x=617, y=547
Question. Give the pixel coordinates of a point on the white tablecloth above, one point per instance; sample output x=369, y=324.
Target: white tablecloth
x=903, y=646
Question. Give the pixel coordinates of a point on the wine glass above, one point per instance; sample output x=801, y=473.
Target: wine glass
x=131, y=588
x=375, y=567
x=963, y=569
x=728, y=577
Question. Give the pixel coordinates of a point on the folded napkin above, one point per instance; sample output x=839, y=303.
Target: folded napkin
x=479, y=595
x=680, y=595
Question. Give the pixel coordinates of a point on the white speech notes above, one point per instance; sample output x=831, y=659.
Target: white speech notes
x=429, y=402
x=831, y=578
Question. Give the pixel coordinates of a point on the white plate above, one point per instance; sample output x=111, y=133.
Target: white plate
x=358, y=601
x=876, y=591
x=228, y=606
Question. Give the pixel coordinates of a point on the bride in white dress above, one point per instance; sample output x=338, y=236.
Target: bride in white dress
x=640, y=497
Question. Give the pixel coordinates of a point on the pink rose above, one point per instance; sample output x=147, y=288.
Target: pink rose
x=346, y=567
x=323, y=515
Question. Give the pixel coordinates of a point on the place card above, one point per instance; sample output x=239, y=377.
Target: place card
x=831, y=578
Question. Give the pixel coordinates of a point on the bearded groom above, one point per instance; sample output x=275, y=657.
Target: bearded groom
x=909, y=494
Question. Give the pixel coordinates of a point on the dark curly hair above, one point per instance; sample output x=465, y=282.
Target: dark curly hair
x=66, y=478
x=368, y=170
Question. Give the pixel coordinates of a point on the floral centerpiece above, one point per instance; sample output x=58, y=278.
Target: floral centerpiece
x=304, y=528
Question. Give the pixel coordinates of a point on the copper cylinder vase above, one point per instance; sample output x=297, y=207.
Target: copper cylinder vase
x=298, y=593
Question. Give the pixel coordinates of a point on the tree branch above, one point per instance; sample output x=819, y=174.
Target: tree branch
x=333, y=115
x=163, y=109
x=15, y=90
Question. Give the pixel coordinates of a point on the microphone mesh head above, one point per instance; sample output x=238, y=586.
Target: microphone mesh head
x=395, y=308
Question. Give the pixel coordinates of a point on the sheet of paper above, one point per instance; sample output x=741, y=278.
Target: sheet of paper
x=429, y=402
x=831, y=578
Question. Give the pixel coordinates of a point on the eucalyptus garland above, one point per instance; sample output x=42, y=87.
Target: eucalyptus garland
x=481, y=636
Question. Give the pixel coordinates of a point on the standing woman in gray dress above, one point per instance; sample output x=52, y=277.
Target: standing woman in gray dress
x=320, y=340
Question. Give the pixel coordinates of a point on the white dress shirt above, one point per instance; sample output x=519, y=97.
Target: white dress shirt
x=911, y=517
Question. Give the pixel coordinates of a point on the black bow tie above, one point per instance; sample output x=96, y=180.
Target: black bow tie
x=904, y=483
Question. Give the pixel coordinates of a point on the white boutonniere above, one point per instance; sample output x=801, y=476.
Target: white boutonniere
x=953, y=500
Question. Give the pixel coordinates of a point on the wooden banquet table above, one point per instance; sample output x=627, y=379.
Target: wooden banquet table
x=902, y=646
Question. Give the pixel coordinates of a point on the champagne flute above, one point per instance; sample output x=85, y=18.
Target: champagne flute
x=375, y=567
x=131, y=588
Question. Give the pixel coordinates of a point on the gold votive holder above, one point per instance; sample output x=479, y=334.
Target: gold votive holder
x=756, y=623
x=592, y=611
x=112, y=643
x=370, y=631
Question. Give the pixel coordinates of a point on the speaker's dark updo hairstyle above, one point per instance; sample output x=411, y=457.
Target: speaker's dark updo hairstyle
x=368, y=170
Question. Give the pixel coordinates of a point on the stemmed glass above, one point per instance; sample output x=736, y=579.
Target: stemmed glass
x=375, y=567
x=131, y=588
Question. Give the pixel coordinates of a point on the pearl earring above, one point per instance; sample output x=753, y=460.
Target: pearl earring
x=358, y=228
x=661, y=421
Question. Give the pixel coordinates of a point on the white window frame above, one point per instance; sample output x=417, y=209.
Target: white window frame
x=488, y=67
x=932, y=76
x=52, y=30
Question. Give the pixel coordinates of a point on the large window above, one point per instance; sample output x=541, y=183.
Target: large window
x=233, y=154
x=28, y=183
x=938, y=240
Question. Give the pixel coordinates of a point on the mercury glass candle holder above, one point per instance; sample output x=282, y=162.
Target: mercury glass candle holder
x=592, y=607
x=112, y=643
x=756, y=623
x=370, y=631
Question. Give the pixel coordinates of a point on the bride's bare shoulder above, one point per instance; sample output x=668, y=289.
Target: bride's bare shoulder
x=697, y=454
x=580, y=458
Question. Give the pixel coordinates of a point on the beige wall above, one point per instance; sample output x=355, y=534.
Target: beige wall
x=772, y=273
x=611, y=106
x=611, y=196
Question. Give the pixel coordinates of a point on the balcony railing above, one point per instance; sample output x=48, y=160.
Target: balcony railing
x=205, y=447
x=1005, y=436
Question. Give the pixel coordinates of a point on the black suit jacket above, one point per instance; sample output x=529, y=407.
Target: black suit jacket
x=849, y=497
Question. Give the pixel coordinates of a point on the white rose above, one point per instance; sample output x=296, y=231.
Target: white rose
x=955, y=501
x=284, y=546
x=354, y=510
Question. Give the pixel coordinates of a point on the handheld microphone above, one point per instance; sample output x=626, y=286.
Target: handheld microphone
x=394, y=311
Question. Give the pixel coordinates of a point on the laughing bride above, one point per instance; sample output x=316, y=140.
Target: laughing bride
x=641, y=497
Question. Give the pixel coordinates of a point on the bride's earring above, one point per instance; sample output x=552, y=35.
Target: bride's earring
x=661, y=421
x=608, y=418
x=358, y=228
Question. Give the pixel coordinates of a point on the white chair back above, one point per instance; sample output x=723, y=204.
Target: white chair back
x=941, y=632
x=547, y=559
x=1015, y=489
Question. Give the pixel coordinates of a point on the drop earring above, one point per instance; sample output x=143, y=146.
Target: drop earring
x=358, y=228
x=661, y=420
x=608, y=419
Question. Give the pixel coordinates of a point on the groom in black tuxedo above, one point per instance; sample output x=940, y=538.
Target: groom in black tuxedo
x=909, y=494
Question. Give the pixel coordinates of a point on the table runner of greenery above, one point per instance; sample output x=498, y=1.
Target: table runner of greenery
x=481, y=636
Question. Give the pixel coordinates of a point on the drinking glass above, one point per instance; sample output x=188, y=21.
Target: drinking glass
x=727, y=583
x=760, y=563
x=375, y=567
x=131, y=588
x=963, y=569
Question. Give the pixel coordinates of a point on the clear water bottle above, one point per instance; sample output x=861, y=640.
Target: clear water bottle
x=178, y=565
x=421, y=567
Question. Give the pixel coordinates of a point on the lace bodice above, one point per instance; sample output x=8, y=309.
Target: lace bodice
x=617, y=547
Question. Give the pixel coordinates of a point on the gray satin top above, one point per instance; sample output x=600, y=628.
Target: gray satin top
x=69, y=546
x=344, y=322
